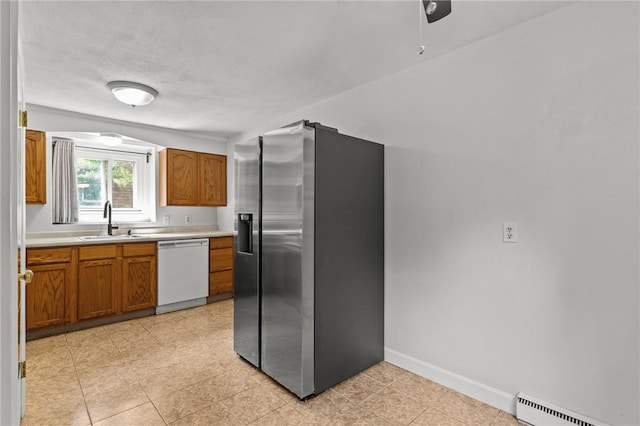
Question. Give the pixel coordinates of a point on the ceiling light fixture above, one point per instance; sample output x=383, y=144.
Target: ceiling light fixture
x=110, y=139
x=134, y=94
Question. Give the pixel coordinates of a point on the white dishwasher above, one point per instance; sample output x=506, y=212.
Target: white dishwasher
x=183, y=274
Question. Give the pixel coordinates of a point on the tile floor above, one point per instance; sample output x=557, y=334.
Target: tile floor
x=180, y=369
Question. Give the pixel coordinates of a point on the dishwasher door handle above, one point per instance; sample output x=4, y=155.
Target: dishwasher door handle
x=182, y=243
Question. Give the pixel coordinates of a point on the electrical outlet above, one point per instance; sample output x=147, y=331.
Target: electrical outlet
x=187, y=219
x=166, y=219
x=509, y=233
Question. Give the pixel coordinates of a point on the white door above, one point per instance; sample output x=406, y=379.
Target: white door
x=24, y=275
x=11, y=218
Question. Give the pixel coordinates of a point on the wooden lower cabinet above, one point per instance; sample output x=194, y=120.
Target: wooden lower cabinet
x=139, y=277
x=47, y=294
x=220, y=266
x=98, y=288
x=220, y=282
x=50, y=296
x=72, y=284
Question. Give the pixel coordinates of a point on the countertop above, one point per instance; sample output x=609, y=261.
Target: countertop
x=51, y=239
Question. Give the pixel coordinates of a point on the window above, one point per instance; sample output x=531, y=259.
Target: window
x=124, y=176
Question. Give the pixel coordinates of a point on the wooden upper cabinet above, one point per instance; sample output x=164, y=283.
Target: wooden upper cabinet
x=213, y=180
x=189, y=178
x=178, y=177
x=35, y=165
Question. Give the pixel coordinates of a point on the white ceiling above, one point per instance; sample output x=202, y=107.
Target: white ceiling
x=221, y=65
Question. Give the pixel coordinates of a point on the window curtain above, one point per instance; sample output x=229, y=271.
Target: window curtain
x=65, y=188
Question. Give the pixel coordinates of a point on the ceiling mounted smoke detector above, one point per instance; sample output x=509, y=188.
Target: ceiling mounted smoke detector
x=130, y=93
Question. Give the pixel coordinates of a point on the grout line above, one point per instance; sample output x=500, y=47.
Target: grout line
x=75, y=368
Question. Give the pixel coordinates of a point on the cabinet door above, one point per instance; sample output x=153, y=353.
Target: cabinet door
x=220, y=259
x=220, y=282
x=213, y=179
x=139, y=283
x=35, y=166
x=97, y=288
x=46, y=298
x=181, y=178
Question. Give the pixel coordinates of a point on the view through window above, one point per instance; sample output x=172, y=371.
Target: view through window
x=123, y=177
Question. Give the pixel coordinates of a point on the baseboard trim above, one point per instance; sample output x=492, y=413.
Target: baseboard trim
x=491, y=396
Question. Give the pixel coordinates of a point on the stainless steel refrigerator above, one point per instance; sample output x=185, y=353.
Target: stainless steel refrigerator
x=309, y=255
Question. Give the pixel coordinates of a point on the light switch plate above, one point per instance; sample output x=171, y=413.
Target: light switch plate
x=166, y=219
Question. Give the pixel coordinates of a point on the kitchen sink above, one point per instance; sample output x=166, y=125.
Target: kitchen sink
x=111, y=237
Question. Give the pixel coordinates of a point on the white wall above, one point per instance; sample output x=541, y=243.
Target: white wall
x=537, y=125
x=51, y=120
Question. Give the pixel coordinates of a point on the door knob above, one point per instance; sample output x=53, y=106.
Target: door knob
x=27, y=276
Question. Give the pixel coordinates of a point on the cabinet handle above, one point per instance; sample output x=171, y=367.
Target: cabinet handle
x=27, y=276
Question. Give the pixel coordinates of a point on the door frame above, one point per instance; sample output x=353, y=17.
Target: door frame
x=10, y=408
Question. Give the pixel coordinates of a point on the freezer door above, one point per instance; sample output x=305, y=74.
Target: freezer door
x=246, y=324
x=288, y=257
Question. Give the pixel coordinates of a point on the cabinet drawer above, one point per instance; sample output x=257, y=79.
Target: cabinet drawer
x=97, y=252
x=139, y=249
x=220, y=242
x=48, y=255
x=220, y=282
x=220, y=259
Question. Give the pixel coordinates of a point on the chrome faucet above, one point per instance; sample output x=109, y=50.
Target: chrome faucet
x=107, y=212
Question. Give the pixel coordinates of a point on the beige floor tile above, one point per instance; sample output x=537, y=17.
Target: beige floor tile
x=359, y=387
x=99, y=354
x=114, y=399
x=55, y=363
x=54, y=402
x=433, y=417
x=52, y=387
x=167, y=379
x=252, y=404
x=153, y=319
x=394, y=407
x=149, y=362
x=418, y=388
x=59, y=416
x=40, y=346
x=465, y=409
x=143, y=415
x=505, y=419
x=385, y=373
x=287, y=416
x=118, y=327
x=368, y=419
x=327, y=407
x=180, y=367
x=163, y=327
x=228, y=384
x=101, y=375
x=184, y=402
x=213, y=415
x=88, y=337
x=135, y=343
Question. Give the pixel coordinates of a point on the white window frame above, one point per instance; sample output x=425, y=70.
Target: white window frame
x=144, y=188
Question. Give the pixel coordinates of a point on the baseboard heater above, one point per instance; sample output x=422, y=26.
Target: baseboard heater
x=540, y=413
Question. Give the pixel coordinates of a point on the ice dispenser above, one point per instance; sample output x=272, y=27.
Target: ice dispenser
x=245, y=233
